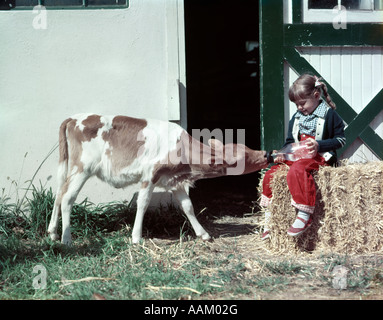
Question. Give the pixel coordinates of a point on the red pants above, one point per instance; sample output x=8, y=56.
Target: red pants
x=300, y=182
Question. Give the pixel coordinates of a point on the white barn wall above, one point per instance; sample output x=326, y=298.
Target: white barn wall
x=356, y=73
x=117, y=61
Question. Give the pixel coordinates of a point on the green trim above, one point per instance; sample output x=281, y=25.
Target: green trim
x=364, y=118
x=371, y=139
x=359, y=127
x=324, y=35
x=297, y=11
x=271, y=75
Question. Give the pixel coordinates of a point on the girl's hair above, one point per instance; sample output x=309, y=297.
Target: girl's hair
x=305, y=86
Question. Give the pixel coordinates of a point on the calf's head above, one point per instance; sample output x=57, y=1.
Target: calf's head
x=237, y=158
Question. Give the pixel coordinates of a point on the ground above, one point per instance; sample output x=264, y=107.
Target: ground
x=170, y=263
x=304, y=276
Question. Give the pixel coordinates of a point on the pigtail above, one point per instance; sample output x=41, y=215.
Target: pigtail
x=322, y=85
x=327, y=97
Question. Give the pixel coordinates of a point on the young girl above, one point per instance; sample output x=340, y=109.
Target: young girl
x=317, y=122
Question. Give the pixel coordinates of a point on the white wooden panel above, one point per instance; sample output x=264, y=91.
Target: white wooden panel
x=356, y=73
x=325, y=62
x=366, y=77
x=377, y=69
x=346, y=75
x=290, y=108
x=356, y=78
x=336, y=67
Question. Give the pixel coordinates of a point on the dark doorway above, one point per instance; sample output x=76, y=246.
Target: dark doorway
x=222, y=70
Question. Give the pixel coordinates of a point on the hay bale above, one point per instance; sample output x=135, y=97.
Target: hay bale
x=348, y=216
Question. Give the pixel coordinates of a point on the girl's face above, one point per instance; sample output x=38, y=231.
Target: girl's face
x=307, y=106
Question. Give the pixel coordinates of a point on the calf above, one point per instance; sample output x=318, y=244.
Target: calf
x=123, y=151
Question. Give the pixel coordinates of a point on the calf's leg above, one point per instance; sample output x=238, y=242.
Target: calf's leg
x=143, y=200
x=187, y=206
x=53, y=224
x=73, y=187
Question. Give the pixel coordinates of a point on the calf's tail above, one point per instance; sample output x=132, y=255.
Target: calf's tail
x=64, y=154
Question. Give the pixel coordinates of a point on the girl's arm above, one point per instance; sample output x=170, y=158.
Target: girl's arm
x=335, y=130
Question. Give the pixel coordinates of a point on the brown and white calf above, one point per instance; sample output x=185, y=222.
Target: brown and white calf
x=123, y=151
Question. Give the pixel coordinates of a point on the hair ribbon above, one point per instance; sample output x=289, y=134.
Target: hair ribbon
x=318, y=83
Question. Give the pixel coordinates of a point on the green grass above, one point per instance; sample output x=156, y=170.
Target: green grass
x=170, y=263
x=119, y=274
x=120, y=270
x=102, y=250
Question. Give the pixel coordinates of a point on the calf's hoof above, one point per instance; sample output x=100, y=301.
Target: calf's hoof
x=136, y=240
x=54, y=236
x=206, y=237
x=67, y=241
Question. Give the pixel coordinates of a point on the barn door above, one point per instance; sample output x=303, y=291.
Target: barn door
x=349, y=59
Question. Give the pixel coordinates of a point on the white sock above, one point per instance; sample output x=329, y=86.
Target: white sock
x=267, y=220
x=299, y=223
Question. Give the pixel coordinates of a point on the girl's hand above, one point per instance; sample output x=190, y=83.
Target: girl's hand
x=312, y=146
x=278, y=159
